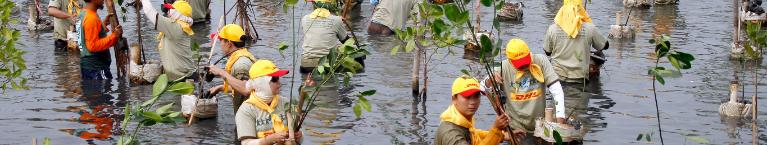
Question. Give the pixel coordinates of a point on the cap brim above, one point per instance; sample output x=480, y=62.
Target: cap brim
x=167, y=6
x=214, y=36
x=524, y=61
x=279, y=73
x=470, y=92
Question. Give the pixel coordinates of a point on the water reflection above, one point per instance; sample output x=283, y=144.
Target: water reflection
x=323, y=123
x=100, y=112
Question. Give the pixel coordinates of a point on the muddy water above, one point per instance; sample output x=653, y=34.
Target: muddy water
x=621, y=106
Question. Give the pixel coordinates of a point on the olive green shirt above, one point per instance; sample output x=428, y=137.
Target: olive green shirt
x=571, y=56
x=61, y=26
x=452, y=134
x=526, y=98
x=250, y=120
x=176, y=52
x=200, y=10
x=394, y=13
x=321, y=34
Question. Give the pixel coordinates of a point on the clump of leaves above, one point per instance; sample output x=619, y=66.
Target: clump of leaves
x=146, y=117
x=757, y=40
x=12, y=63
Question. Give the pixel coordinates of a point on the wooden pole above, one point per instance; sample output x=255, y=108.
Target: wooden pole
x=138, y=32
x=736, y=25
x=121, y=47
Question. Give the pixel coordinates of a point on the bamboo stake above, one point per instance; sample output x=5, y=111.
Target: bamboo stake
x=121, y=46
x=138, y=32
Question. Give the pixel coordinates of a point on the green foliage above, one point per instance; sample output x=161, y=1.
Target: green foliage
x=557, y=138
x=678, y=59
x=757, y=40
x=148, y=117
x=46, y=141
x=362, y=102
x=646, y=136
x=12, y=63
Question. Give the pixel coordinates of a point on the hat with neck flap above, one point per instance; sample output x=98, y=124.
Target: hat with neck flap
x=571, y=16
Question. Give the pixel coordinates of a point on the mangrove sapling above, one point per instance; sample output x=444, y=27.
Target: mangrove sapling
x=12, y=63
x=339, y=61
x=147, y=117
x=678, y=59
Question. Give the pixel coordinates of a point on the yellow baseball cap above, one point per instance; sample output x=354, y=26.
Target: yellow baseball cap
x=231, y=32
x=181, y=6
x=518, y=53
x=265, y=68
x=466, y=86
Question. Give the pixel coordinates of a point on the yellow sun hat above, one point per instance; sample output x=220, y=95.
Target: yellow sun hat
x=265, y=68
x=231, y=32
x=571, y=16
x=466, y=86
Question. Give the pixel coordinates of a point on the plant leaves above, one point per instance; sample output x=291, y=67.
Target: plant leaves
x=486, y=3
x=465, y=72
x=364, y=103
x=698, y=139
x=181, y=88
x=162, y=110
x=368, y=93
x=410, y=45
x=639, y=137
x=557, y=137
x=350, y=64
x=152, y=115
x=46, y=141
x=357, y=110
x=159, y=85
x=395, y=49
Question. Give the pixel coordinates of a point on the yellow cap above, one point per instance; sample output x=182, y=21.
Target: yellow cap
x=183, y=7
x=265, y=68
x=518, y=53
x=466, y=86
x=231, y=32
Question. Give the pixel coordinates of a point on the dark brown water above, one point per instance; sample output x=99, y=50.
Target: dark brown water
x=56, y=106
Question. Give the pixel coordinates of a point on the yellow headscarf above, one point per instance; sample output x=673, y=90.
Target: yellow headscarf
x=478, y=136
x=230, y=63
x=320, y=12
x=277, y=123
x=571, y=16
x=184, y=9
x=517, y=50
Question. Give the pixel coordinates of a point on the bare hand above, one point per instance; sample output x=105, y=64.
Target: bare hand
x=214, y=90
x=107, y=21
x=519, y=133
x=309, y=81
x=215, y=70
x=496, y=78
x=501, y=121
x=278, y=138
x=118, y=31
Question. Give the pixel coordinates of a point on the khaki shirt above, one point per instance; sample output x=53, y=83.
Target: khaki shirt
x=176, y=52
x=61, y=26
x=200, y=10
x=394, y=13
x=250, y=120
x=571, y=56
x=321, y=34
x=526, y=99
x=452, y=134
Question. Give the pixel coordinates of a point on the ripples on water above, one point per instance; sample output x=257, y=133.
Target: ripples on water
x=620, y=107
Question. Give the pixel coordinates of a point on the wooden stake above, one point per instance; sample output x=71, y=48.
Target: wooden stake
x=120, y=48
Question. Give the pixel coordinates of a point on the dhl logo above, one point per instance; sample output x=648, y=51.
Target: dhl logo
x=526, y=96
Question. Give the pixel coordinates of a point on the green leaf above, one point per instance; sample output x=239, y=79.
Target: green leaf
x=46, y=141
x=557, y=137
x=453, y=13
x=395, y=49
x=674, y=62
x=465, y=72
x=321, y=69
x=162, y=110
x=350, y=64
x=368, y=93
x=148, y=122
x=438, y=26
x=698, y=139
x=435, y=10
x=181, y=88
x=486, y=45
x=639, y=137
x=648, y=136
x=152, y=115
x=159, y=85
x=150, y=101
x=487, y=3
x=357, y=110
x=174, y=114
x=660, y=79
x=282, y=46
x=410, y=45
x=546, y=132
x=364, y=103
x=291, y=3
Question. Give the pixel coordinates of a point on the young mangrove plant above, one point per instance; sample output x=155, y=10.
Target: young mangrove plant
x=143, y=114
x=12, y=63
x=679, y=60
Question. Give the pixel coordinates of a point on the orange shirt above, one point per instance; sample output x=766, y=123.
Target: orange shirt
x=92, y=28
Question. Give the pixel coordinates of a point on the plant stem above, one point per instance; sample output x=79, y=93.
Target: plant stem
x=655, y=96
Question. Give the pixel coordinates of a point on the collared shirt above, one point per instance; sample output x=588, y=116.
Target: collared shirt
x=526, y=99
x=322, y=34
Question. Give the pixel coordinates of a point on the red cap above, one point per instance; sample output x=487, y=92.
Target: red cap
x=524, y=61
x=168, y=6
x=470, y=92
x=214, y=36
x=279, y=73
